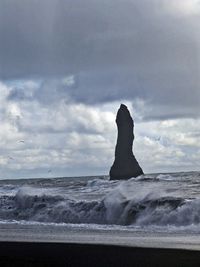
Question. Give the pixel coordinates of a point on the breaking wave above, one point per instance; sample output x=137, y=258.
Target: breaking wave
x=152, y=206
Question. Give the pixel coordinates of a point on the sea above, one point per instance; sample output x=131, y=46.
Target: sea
x=159, y=210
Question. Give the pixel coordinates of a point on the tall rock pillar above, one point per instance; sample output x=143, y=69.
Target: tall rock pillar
x=125, y=165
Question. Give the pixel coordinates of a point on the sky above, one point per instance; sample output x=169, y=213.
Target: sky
x=65, y=68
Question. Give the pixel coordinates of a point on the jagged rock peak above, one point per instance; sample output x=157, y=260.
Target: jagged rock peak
x=123, y=114
x=125, y=165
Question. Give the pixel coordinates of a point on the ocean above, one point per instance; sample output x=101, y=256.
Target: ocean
x=151, y=210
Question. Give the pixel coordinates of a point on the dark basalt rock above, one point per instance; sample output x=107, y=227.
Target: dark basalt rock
x=125, y=165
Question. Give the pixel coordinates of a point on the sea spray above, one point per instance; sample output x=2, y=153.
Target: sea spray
x=162, y=200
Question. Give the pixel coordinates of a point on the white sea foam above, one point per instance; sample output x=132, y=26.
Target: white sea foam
x=151, y=201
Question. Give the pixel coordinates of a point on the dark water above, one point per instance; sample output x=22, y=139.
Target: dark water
x=161, y=202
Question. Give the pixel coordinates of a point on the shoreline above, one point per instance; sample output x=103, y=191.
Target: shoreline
x=65, y=245
x=71, y=254
x=81, y=234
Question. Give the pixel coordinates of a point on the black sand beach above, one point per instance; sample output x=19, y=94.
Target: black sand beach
x=65, y=254
x=53, y=245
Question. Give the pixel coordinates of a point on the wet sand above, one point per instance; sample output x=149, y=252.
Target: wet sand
x=61, y=245
x=63, y=254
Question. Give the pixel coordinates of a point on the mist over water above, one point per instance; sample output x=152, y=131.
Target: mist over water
x=156, y=201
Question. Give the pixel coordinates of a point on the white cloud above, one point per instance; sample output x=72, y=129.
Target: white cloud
x=71, y=137
x=74, y=139
x=184, y=7
x=82, y=64
x=168, y=145
x=4, y=92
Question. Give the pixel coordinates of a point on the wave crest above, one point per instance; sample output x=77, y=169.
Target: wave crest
x=120, y=207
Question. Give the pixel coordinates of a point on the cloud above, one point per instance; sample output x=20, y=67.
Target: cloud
x=65, y=68
x=77, y=139
x=66, y=138
x=184, y=8
x=112, y=50
x=168, y=145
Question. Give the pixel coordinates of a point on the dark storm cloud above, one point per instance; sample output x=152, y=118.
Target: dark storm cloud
x=116, y=50
x=55, y=37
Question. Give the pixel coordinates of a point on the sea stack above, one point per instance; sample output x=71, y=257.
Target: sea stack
x=125, y=165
